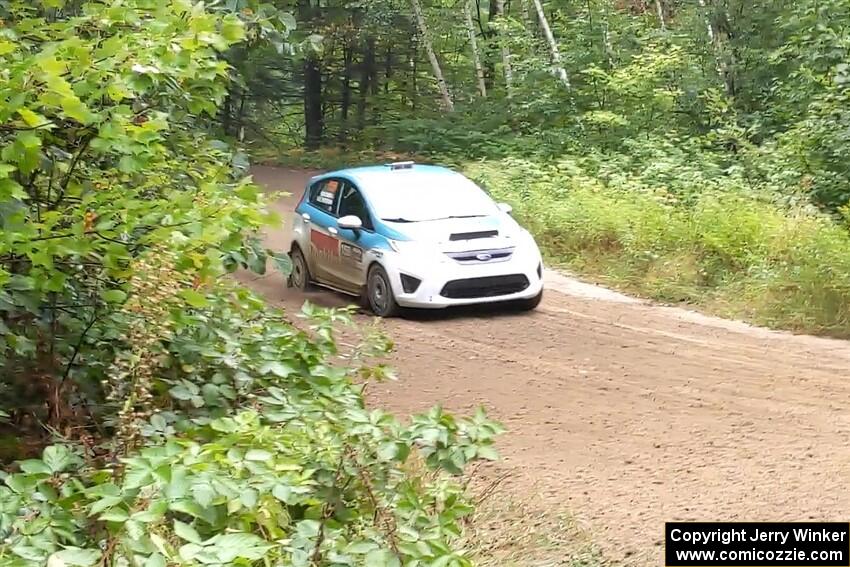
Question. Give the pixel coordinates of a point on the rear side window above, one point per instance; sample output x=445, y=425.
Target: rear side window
x=325, y=194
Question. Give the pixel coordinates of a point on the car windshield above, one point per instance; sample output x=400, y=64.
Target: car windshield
x=419, y=198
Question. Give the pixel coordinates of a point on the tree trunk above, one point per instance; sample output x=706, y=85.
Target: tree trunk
x=660, y=9
x=553, y=46
x=606, y=40
x=240, y=116
x=488, y=33
x=226, y=116
x=313, y=105
x=388, y=69
x=476, y=57
x=526, y=16
x=313, y=119
x=345, y=103
x=432, y=56
x=506, y=53
x=367, y=72
x=723, y=56
x=372, y=67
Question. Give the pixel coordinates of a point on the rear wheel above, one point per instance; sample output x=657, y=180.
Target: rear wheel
x=531, y=303
x=379, y=293
x=300, y=277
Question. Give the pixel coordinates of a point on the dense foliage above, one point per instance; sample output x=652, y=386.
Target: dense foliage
x=744, y=87
x=668, y=108
x=161, y=414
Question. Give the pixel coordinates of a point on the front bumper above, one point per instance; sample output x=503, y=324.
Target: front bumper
x=450, y=283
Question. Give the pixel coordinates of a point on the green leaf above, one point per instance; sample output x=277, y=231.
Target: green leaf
x=57, y=458
x=232, y=29
x=381, y=558
x=154, y=513
x=277, y=368
x=361, y=547
x=282, y=261
x=104, y=503
x=258, y=455
x=284, y=494
x=117, y=515
x=75, y=109
x=241, y=545
x=114, y=296
x=74, y=557
x=31, y=118
x=203, y=493
x=187, y=532
x=194, y=298
x=488, y=453
x=155, y=560
x=35, y=466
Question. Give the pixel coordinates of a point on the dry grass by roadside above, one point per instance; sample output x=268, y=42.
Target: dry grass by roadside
x=520, y=530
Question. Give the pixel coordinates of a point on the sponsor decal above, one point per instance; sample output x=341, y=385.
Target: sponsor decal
x=328, y=192
x=324, y=244
x=350, y=252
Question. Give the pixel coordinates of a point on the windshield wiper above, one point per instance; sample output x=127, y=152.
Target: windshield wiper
x=465, y=216
x=398, y=220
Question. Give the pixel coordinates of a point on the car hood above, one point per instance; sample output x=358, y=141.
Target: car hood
x=476, y=233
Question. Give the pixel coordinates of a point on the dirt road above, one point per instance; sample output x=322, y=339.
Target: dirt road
x=629, y=414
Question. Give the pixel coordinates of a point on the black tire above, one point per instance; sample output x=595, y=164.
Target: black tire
x=531, y=303
x=379, y=293
x=299, y=278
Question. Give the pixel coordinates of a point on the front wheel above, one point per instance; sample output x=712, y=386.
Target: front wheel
x=379, y=293
x=299, y=278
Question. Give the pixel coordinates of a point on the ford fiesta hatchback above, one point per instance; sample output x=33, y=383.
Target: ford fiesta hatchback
x=407, y=235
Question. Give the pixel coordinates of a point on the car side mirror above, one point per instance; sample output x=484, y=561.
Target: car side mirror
x=350, y=222
x=505, y=208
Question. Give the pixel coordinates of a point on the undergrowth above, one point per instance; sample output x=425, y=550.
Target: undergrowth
x=730, y=253
x=676, y=235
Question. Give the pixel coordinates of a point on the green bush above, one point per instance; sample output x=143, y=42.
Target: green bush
x=727, y=251
x=179, y=420
x=298, y=472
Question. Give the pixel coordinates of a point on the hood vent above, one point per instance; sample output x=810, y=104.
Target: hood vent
x=473, y=235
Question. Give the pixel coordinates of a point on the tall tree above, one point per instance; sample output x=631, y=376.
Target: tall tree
x=659, y=8
x=473, y=43
x=719, y=35
x=505, y=51
x=432, y=55
x=553, y=45
x=314, y=127
x=367, y=80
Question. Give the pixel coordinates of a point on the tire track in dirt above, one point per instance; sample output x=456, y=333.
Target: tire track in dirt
x=629, y=414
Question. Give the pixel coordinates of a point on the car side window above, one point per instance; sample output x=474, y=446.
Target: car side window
x=324, y=194
x=352, y=203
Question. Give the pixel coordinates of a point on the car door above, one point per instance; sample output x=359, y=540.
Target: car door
x=319, y=216
x=350, y=271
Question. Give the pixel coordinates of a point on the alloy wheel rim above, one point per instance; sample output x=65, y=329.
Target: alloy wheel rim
x=298, y=270
x=379, y=293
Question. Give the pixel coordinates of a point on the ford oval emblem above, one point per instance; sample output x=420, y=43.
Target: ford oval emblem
x=483, y=257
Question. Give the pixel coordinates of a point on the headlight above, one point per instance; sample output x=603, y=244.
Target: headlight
x=410, y=247
x=418, y=250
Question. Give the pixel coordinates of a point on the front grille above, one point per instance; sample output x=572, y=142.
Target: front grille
x=473, y=235
x=478, y=256
x=492, y=286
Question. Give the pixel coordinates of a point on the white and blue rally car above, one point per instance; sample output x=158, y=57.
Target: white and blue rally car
x=408, y=235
